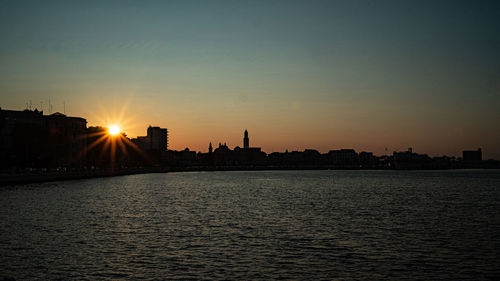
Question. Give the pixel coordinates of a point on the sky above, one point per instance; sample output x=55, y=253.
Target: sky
x=368, y=75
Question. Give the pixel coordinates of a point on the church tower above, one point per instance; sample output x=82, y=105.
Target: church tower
x=246, y=141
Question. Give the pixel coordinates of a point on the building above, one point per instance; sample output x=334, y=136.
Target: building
x=70, y=132
x=30, y=139
x=472, y=155
x=17, y=129
x=343, y=158
x=184, y=158
x=410, y=160
x=224, y=156
x=156, y=139
x=367, y=160
x=249, y=155
x=246, y=140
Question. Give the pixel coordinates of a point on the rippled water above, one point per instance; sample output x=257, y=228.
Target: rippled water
x=255, y=225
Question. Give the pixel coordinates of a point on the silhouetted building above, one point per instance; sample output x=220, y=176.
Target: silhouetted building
x=156, y=139
x=184, y=158
x=222, y=155
x=472, y=155
x=344, y=158
x=409, y=155
x=17, y=132
x=30, y=139
x=246, y=141
x=249, y=155
x=69, y=131
x=410, y=160
x=294, y=158
x=97, y=152
x=367, y=160
x=312, y=157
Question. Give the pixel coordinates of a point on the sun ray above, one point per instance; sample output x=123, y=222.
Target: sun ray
x=105, y=147
x=121, y=144
x=113, y=153
x=111, y=139
x=123, y=109
x=96, y=142
x=94, y=134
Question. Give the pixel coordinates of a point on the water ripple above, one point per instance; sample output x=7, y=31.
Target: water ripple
x=290, y=225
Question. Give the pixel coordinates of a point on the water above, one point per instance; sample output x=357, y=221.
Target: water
x=255, y=225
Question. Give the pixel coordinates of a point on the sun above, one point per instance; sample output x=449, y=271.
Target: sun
x=114, y=130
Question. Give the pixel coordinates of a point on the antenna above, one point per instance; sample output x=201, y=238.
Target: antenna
x=50, y=107
x=64, y=107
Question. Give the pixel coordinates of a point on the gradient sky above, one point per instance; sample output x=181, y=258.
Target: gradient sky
x=367, y=75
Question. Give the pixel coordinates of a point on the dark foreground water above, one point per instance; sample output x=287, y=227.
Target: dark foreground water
x=255, y=225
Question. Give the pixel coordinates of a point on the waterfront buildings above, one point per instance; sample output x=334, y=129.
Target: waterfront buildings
x=472, y=155
x=156, y=139
x=30, y=139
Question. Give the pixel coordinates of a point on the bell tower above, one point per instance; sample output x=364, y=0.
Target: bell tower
x=246, y=141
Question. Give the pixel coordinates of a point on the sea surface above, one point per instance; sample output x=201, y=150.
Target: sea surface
x=300, y=225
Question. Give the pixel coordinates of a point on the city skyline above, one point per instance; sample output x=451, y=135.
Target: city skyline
x=296, y=74
x=113, y=138
x=36, y=142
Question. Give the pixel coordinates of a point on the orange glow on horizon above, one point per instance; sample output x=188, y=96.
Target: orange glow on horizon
x=111, y=141
x=116, y=116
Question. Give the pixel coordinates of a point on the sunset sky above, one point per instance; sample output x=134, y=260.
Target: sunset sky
x=367, y=75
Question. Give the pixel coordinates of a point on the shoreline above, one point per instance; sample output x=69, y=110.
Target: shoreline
x=27, y=178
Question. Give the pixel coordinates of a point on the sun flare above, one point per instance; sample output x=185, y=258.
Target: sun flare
x=114, y=130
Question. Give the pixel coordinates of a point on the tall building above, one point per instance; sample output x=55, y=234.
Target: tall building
x=246, y=141
x=156, y=139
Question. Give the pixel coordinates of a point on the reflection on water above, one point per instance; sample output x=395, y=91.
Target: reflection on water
x=255, y=225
